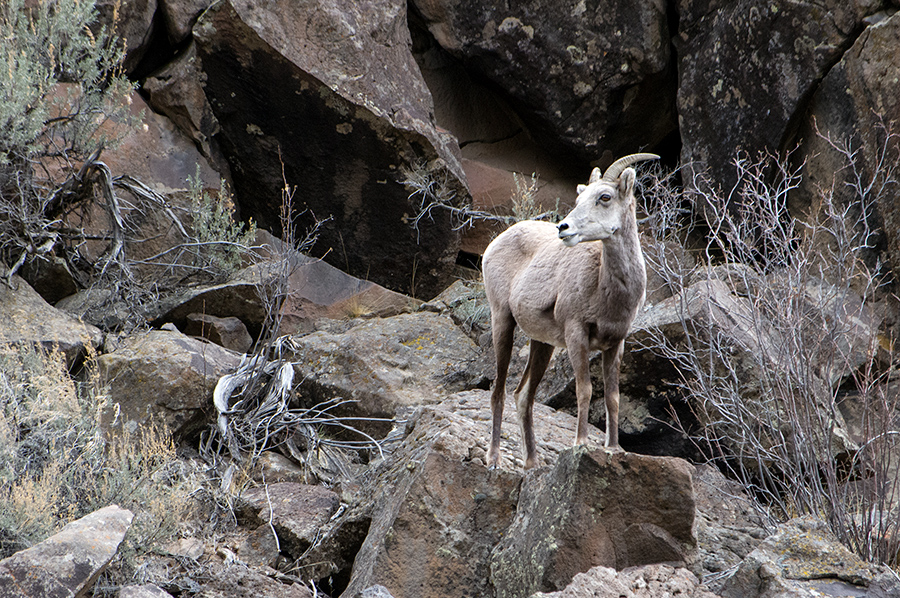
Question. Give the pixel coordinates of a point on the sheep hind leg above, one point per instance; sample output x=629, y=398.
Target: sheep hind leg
x=538, y=358
x=503, y=326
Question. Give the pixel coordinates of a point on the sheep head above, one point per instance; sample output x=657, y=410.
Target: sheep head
x=604, y=204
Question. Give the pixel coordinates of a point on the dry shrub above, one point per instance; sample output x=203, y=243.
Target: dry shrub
x=769, y=374
x=56, y=465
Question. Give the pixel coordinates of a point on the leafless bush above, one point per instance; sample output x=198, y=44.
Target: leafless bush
x=257, y=405
x=768, y=365
x=433, y=193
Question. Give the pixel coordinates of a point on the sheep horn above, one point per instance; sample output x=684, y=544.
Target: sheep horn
x=615, y=169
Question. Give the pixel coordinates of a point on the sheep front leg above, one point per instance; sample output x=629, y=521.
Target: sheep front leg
x=612, y=359
x=577, y=346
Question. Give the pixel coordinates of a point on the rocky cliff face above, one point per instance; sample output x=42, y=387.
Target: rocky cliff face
x=334, y=104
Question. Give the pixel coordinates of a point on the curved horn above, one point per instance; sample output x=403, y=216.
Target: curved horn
x=615, y=169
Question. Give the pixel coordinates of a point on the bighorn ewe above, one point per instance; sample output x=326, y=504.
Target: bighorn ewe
x=577, y=285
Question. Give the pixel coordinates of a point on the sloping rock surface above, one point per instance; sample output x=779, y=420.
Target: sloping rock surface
x=37, y=322
x=68, y=563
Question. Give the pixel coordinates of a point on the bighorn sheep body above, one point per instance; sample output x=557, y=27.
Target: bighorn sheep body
x=576, y=285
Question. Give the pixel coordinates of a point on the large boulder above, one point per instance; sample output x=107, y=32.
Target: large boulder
x=595, y=508
x=349, y=114
x=606, y=65
x=68, y=563
x=424, y=520
x=745, y=70
x=387, y=364
x=165, y=377
x=436, y=511
x=28, y=319
x=852, y=111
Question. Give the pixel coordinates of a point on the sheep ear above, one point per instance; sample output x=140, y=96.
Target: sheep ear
x=580, y=189
x=596, y=175
x=626, y=181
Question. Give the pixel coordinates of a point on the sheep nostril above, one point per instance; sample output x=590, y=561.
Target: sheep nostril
x=562, y=226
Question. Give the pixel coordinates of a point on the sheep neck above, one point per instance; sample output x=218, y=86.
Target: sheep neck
x=623, y=264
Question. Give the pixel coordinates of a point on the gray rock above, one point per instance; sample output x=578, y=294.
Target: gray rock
x=227, y=332
x=387, y=364
x=28, y=319
x=595, y=508
x=147, y=590
x=852, y=104
x=727, y=526
x=163, y=376
x=296, y=512
x=68, y=563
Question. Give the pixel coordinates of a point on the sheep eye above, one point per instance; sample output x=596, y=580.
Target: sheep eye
x=604, y=198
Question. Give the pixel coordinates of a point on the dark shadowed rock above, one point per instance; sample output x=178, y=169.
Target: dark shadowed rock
x=68, y=563
x=165, y=377
x=350, y=111
x=28, y=319
x=180, y=16
x=747, y=67
x=649, y=581
x=133, y=22
x=176, y=92
x=850, y=109
x=604, y=68
x=50, y=277
x=595, y=508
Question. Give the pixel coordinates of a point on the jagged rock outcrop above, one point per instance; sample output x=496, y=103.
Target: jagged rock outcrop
x=350, y=111
x=746, y=68
x=34, y=321
x=436, y=511
x=163, y=376
x=68, y=563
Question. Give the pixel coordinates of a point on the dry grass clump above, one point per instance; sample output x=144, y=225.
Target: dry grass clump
x=57, y=464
